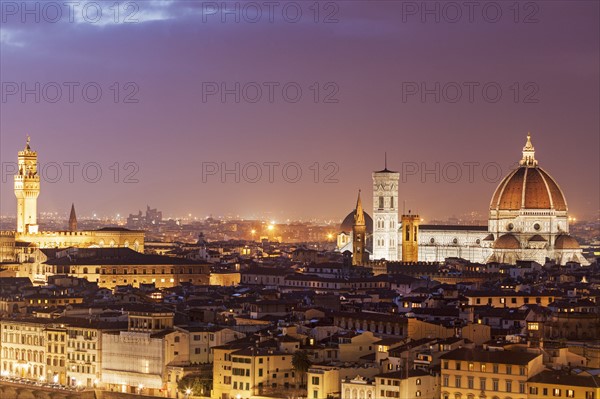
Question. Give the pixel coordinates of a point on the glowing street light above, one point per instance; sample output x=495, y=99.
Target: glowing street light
x=188, y=392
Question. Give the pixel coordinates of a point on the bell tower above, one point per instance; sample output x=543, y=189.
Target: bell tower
x=359, y=235
x=72, y=219
x=27, y=189
x=410, y=234
x=385, y=214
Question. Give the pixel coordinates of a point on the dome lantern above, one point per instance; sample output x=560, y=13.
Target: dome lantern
x=528, y=154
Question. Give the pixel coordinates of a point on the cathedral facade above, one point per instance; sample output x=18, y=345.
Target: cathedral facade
x=17, y=246
x=528, y=220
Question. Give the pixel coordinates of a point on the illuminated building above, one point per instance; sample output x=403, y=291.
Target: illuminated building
x=385, y=214
x=410, y=235
x=359, y=236
x=136, y=360
x=16, y=246
x=528, y=220
x=529, y=217
x=477, y=373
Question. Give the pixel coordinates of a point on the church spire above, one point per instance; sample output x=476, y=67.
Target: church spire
x=72, y=219
x=528, y=153
x=359, y=216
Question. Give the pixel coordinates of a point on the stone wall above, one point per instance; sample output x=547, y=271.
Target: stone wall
x=10, y=390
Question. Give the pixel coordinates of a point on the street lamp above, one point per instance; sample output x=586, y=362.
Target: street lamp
x=188, y=392
x=140, y=388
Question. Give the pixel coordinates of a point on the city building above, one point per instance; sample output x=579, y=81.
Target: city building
x=528, y=220
x=476, y=373
x=14, y=246
x=136, y=360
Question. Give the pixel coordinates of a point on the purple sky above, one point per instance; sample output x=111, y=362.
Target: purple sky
x=370, y=56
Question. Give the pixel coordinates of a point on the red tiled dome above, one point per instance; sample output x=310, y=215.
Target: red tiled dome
x=528, y=188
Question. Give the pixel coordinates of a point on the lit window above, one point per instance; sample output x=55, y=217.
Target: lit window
x=533, y=326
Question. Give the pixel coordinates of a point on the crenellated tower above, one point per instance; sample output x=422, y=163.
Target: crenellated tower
x=27, y=190
x=410, y=236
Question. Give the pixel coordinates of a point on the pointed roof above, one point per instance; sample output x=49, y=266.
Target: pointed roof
x=359, y=216
x=72, y=216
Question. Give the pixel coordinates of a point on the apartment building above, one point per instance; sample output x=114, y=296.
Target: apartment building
x=244, y=373
x=474, y=373
x=403, y=384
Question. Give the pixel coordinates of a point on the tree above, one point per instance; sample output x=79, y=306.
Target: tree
x=200, y=385
x=301, y=363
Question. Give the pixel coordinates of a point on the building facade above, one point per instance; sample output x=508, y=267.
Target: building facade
x=528, y=220
x=27, y=188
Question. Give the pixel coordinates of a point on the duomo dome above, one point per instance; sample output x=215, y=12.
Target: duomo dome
x=529, y=216
x=528, y=187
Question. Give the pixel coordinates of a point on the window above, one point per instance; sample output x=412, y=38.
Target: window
x=556, y=392
x=471, y=366
x=533, y=390
x=260, y=372
x=495, y=369
x=418, y=382
x=457, y=381
x=446, y=364
x=522, y=370
x=508, y=369
x=315, y=394
x=521, y=387
x=508, y=386
x=494, y=385
x=458, y=365
x=482, y=384
x=446, y=380
x=315, y=380
x=590, y=395
x=418, y=394
x=483, y=368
